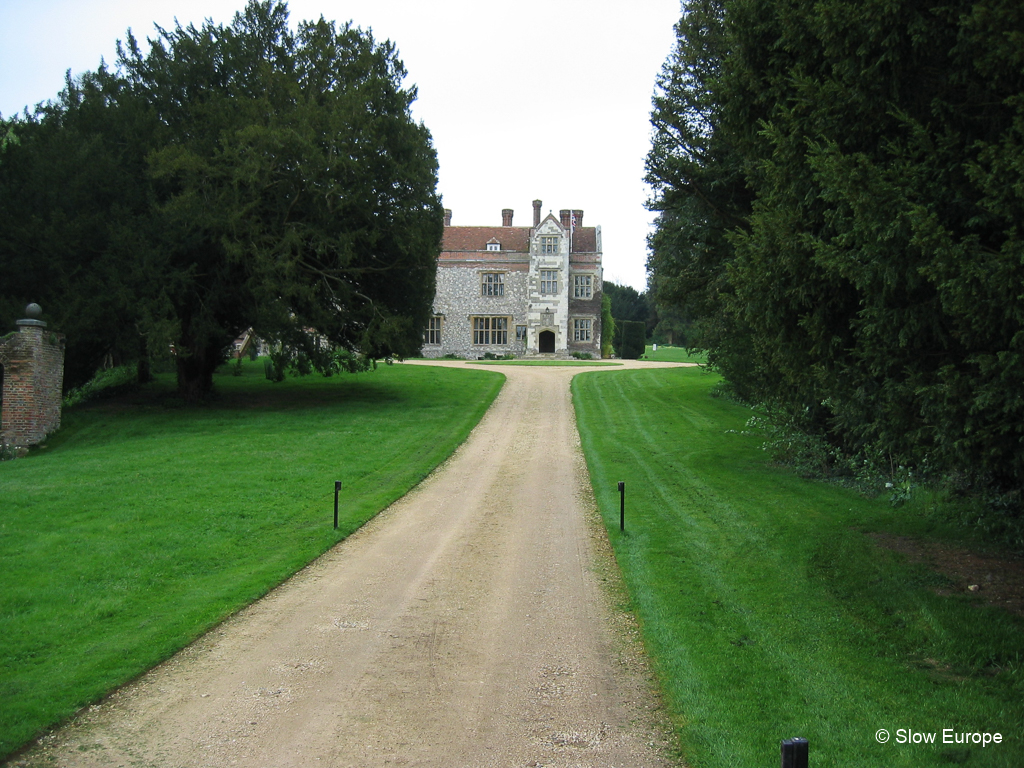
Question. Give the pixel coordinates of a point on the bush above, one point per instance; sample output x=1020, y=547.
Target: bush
x=107, y=382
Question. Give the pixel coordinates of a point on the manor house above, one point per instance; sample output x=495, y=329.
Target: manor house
x=522, y=290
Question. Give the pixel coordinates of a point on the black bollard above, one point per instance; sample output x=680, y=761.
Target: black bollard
x=622, y=505
x=794, y=753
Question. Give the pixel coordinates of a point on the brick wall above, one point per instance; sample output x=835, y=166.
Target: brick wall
x=33, y=378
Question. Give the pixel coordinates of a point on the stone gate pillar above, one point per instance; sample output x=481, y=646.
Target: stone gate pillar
x=33, y=379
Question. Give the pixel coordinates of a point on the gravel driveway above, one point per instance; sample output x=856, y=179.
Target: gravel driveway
x=471, y=624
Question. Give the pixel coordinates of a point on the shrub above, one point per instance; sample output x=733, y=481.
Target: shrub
x=106, y=382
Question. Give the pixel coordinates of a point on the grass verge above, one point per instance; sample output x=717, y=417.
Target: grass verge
x=667, y=354
x=142, y=524
x=768, y=610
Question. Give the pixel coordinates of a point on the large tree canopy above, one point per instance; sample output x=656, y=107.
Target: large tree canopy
x=227, y=178
x=840, y=190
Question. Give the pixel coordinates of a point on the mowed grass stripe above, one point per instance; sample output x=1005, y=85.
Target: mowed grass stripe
x=142, y=524
x=766, y=610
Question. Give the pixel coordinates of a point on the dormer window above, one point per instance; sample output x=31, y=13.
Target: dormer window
x=493, y=245
x=549, y=243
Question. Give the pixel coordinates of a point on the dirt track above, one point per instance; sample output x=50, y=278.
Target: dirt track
x=466, y=626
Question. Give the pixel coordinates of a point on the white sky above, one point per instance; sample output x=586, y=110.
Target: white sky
x=533, y=99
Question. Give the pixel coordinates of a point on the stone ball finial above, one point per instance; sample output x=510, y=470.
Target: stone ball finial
x=33, y=311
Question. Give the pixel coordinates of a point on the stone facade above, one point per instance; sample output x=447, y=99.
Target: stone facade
x=522, y=290
x=32, y=368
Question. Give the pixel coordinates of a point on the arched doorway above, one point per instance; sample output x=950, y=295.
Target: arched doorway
x=546, y=341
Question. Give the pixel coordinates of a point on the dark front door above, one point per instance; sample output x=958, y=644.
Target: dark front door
x=547, y=341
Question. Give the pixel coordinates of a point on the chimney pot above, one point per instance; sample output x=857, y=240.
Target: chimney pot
x=564, y=216
x=506, y=217
x=579, y=217
x=536, y=212
x=447, y=217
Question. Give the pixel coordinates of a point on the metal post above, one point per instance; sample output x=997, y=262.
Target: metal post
x=622, y=506
x=337, y=490
x=794, y=753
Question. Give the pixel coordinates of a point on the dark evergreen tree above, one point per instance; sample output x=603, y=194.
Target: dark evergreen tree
x=283, y=185
x=839, y=207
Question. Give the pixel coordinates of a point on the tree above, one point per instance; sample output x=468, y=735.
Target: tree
x=698, y=173
x=286, y=187
x=627, y=303
x=869, y=283
x=74, y=205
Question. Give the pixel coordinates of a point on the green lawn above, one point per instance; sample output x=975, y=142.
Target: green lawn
x=768, y=611
x=561, y=363
x=667, y=354
x=141, y=524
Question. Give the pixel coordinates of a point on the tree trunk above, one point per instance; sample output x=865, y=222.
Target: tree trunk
x=142, y=367
x=195, y=373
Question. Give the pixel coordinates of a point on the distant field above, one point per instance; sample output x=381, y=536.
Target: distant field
x=766, y=605
x=141, y=524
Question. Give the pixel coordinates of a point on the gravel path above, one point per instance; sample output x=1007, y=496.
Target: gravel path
x=471, y=624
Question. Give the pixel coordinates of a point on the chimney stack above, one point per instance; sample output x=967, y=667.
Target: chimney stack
x=536, y=212
x=447, y=217
x=564, y=215
x=506, y=217
x=579, y=217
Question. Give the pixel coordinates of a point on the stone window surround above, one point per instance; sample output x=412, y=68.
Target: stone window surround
x=549, y=282
x=492, y=283
x=490, y=330
x=582, y=329
x=433, y=331
x=583, y=286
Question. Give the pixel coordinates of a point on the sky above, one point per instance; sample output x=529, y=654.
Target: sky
x=526, y=100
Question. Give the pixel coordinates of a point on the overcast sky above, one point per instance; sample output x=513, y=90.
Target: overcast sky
x=534, y=99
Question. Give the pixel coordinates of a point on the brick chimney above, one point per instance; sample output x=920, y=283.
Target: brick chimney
x=564, y=215
x=579, y=217
x=447, y=217
x=506, y=217
x=536, y=212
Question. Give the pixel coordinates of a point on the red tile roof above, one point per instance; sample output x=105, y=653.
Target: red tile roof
x=584, y=239
x=475, y=238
